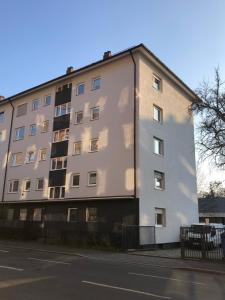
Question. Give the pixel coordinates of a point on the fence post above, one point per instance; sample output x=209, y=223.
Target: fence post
x=182, y=249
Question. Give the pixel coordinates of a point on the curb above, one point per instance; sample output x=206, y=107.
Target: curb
x=209, y=271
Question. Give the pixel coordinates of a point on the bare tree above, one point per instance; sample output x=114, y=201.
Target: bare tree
x=211, y=110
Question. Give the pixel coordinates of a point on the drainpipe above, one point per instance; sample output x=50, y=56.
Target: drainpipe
x=7, y=153
x=135, y=123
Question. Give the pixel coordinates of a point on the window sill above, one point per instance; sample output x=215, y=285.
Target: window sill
x=75, y=186
x=159, y=189
x=91, y=185
x=160, y=226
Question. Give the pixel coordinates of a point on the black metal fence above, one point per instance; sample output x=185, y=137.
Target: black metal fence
x=80, y=234
x=202, y=242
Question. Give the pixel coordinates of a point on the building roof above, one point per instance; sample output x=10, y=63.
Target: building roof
x=211, y=205
x=140, y=47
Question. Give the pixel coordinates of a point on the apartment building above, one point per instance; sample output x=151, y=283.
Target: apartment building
x=110, y=142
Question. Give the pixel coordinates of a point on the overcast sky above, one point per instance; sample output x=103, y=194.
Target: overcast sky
x=40, y=38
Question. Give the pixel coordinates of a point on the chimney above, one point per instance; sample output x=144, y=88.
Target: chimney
x=2, y=97
x=107, y=54
x=69, y=70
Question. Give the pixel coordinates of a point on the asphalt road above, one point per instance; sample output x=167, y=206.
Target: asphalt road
x=31, y=275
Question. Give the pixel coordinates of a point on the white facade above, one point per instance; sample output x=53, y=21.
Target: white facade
x=115, y=160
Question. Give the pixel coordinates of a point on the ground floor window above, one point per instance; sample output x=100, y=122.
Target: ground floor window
x=91, y=214
x=23, y=214
x=57, y=192
x=37, y=213
x=160, y=217
x=72, y=215
x=10, y=214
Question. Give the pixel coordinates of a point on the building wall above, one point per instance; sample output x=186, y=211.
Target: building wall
x=4, y=129
x=114, y=160
x=179, y=198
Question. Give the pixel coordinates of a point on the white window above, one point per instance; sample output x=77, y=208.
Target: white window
x=80, y=89
x=33, y=129
x=59, y=163
x=72, y=215
x=157, y=114
x=158, y=146
x=10, y=214
x=21, y=110
x=94, y=145
x=2, y=117
x=42, y=154
x=23, y=214
x=40, y=184
x=37, y=213
x=75, y=180
x=13, y=186
x=48, y=100
x=19, y=133
x=157, y=84
x=78, y=117
x=77, y=148
x=95, y=113
x=91, y=214
x=96, y=83
x=30, y=157
x=45, y=125
x=92, y=178
x=57, y=192
x=160, y=217
x=62, y=109
x=35, y=104
x=17, y=159
x=61, y=135
x=159, y=180
x=27, y=184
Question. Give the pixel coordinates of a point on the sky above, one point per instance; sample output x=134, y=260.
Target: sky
x=40, y=39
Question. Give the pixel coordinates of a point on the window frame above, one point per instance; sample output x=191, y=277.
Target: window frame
x=37, y=183
x=90, y=145
x=162, y=212
x=162, y=187
x=42, y=126
x=19, y=106
x=72, y=185
x=77, y=88
x=33, y=108
x=17, y=130
x=57, y=160
x=69, y=214
x=159, y=79
x=45, y=102
x=92, y=184
x=40, y=153
x=13, y=181
x=34, y=218
x=75, y=116
x=12, y=159
x=20, y=214
x=60, y=192
x=160, y=110
x=33, y=126
x=92, y=110
x=28, y=156
x=57, y=132
x=93, y=87
x=161, y=146
x=67, y=106
x=88, y=215
x=74, y=146
x=24, y=185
